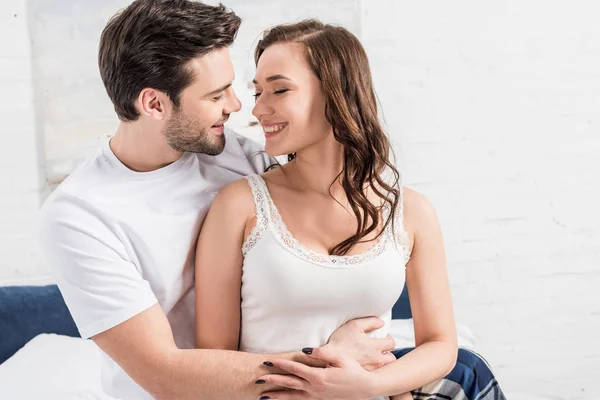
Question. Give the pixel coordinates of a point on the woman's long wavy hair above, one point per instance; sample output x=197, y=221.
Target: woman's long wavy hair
x=340, y=62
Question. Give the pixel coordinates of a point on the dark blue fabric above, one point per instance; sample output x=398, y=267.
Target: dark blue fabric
x=27, y=311
x=401, y=309
x=472, y=373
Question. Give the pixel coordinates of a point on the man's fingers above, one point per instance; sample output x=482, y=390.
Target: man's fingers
x=368, y=324
x=286, y=381
x=386, y=359
x=387, y=343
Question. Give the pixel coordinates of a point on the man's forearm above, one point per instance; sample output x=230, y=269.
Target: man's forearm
x=214, y=374
x=144, y=348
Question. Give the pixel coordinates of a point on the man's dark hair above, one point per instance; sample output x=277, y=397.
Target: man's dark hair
x=149, y=43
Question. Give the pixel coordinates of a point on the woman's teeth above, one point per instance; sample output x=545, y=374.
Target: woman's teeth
x=274, y=128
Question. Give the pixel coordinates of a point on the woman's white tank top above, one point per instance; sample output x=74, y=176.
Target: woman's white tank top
x=293, y=297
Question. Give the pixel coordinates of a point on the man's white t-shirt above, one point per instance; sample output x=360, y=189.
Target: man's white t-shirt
x=119, y=241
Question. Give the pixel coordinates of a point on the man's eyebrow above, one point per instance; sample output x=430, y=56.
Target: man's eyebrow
x=273, y=78
x=219, y=90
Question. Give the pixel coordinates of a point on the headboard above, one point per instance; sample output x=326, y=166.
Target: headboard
x=27, y=311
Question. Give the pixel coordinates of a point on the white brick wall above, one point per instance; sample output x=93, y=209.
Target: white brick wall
x=495, y=107
x=20, y=161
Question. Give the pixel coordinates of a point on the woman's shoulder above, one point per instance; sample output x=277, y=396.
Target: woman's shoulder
x=235, y=198
x=418, y=211
x=241, y=192
x=415, y=201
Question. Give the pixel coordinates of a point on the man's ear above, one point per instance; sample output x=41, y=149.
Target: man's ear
x=152, y=103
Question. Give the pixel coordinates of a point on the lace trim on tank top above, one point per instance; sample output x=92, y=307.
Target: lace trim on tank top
x=401, y=240
x=261, y=213
x=266, y=212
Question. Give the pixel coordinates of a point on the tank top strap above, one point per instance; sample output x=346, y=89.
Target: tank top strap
x=399, y=214
x=261, y=204
x=396, y=231
x=260, y=195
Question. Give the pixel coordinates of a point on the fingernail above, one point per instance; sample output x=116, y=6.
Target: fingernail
x=264, y=398
x=260, y=381
x=307, y=350
x=268, y=363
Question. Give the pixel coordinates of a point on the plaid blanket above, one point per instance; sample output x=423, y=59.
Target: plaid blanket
x=471, y=379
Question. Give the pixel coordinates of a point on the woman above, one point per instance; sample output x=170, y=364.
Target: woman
x=286, y=257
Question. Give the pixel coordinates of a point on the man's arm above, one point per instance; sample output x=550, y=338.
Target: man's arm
x=144, y=347
x=111, y=302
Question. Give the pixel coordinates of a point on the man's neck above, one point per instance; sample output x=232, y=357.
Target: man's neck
x=142, y=148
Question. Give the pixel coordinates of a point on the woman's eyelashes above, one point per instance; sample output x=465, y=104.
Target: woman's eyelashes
x=278, y=91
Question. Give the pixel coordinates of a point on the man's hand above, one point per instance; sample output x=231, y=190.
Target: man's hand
x=352, y=340
x=343, y=379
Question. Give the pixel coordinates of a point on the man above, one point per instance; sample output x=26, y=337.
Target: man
x=120, y=232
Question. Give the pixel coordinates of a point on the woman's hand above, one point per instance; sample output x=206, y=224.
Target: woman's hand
x=343, y=379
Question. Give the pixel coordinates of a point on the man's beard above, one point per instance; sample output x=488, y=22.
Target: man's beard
x=184, y=134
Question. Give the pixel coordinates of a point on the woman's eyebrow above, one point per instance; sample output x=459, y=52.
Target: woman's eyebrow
x=273, y=78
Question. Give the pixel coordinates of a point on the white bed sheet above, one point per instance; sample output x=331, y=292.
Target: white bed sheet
x=53, y=367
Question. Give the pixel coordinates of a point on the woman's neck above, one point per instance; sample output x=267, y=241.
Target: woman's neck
x=317, y=167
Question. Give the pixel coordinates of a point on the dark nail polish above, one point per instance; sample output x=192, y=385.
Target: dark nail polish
x=264, y=398
x=260, y=382
x=307, y=350
x=268, y=363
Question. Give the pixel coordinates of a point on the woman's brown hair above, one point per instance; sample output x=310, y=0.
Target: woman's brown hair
x=340, y=62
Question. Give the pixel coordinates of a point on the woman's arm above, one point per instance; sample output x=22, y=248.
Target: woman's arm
x=431, y=304
x=219, y=267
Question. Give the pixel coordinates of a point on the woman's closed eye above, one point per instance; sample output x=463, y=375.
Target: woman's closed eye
x=278, y=91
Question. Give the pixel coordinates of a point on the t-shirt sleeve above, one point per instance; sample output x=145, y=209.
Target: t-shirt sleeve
x=256, y=154
x=101, y=287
